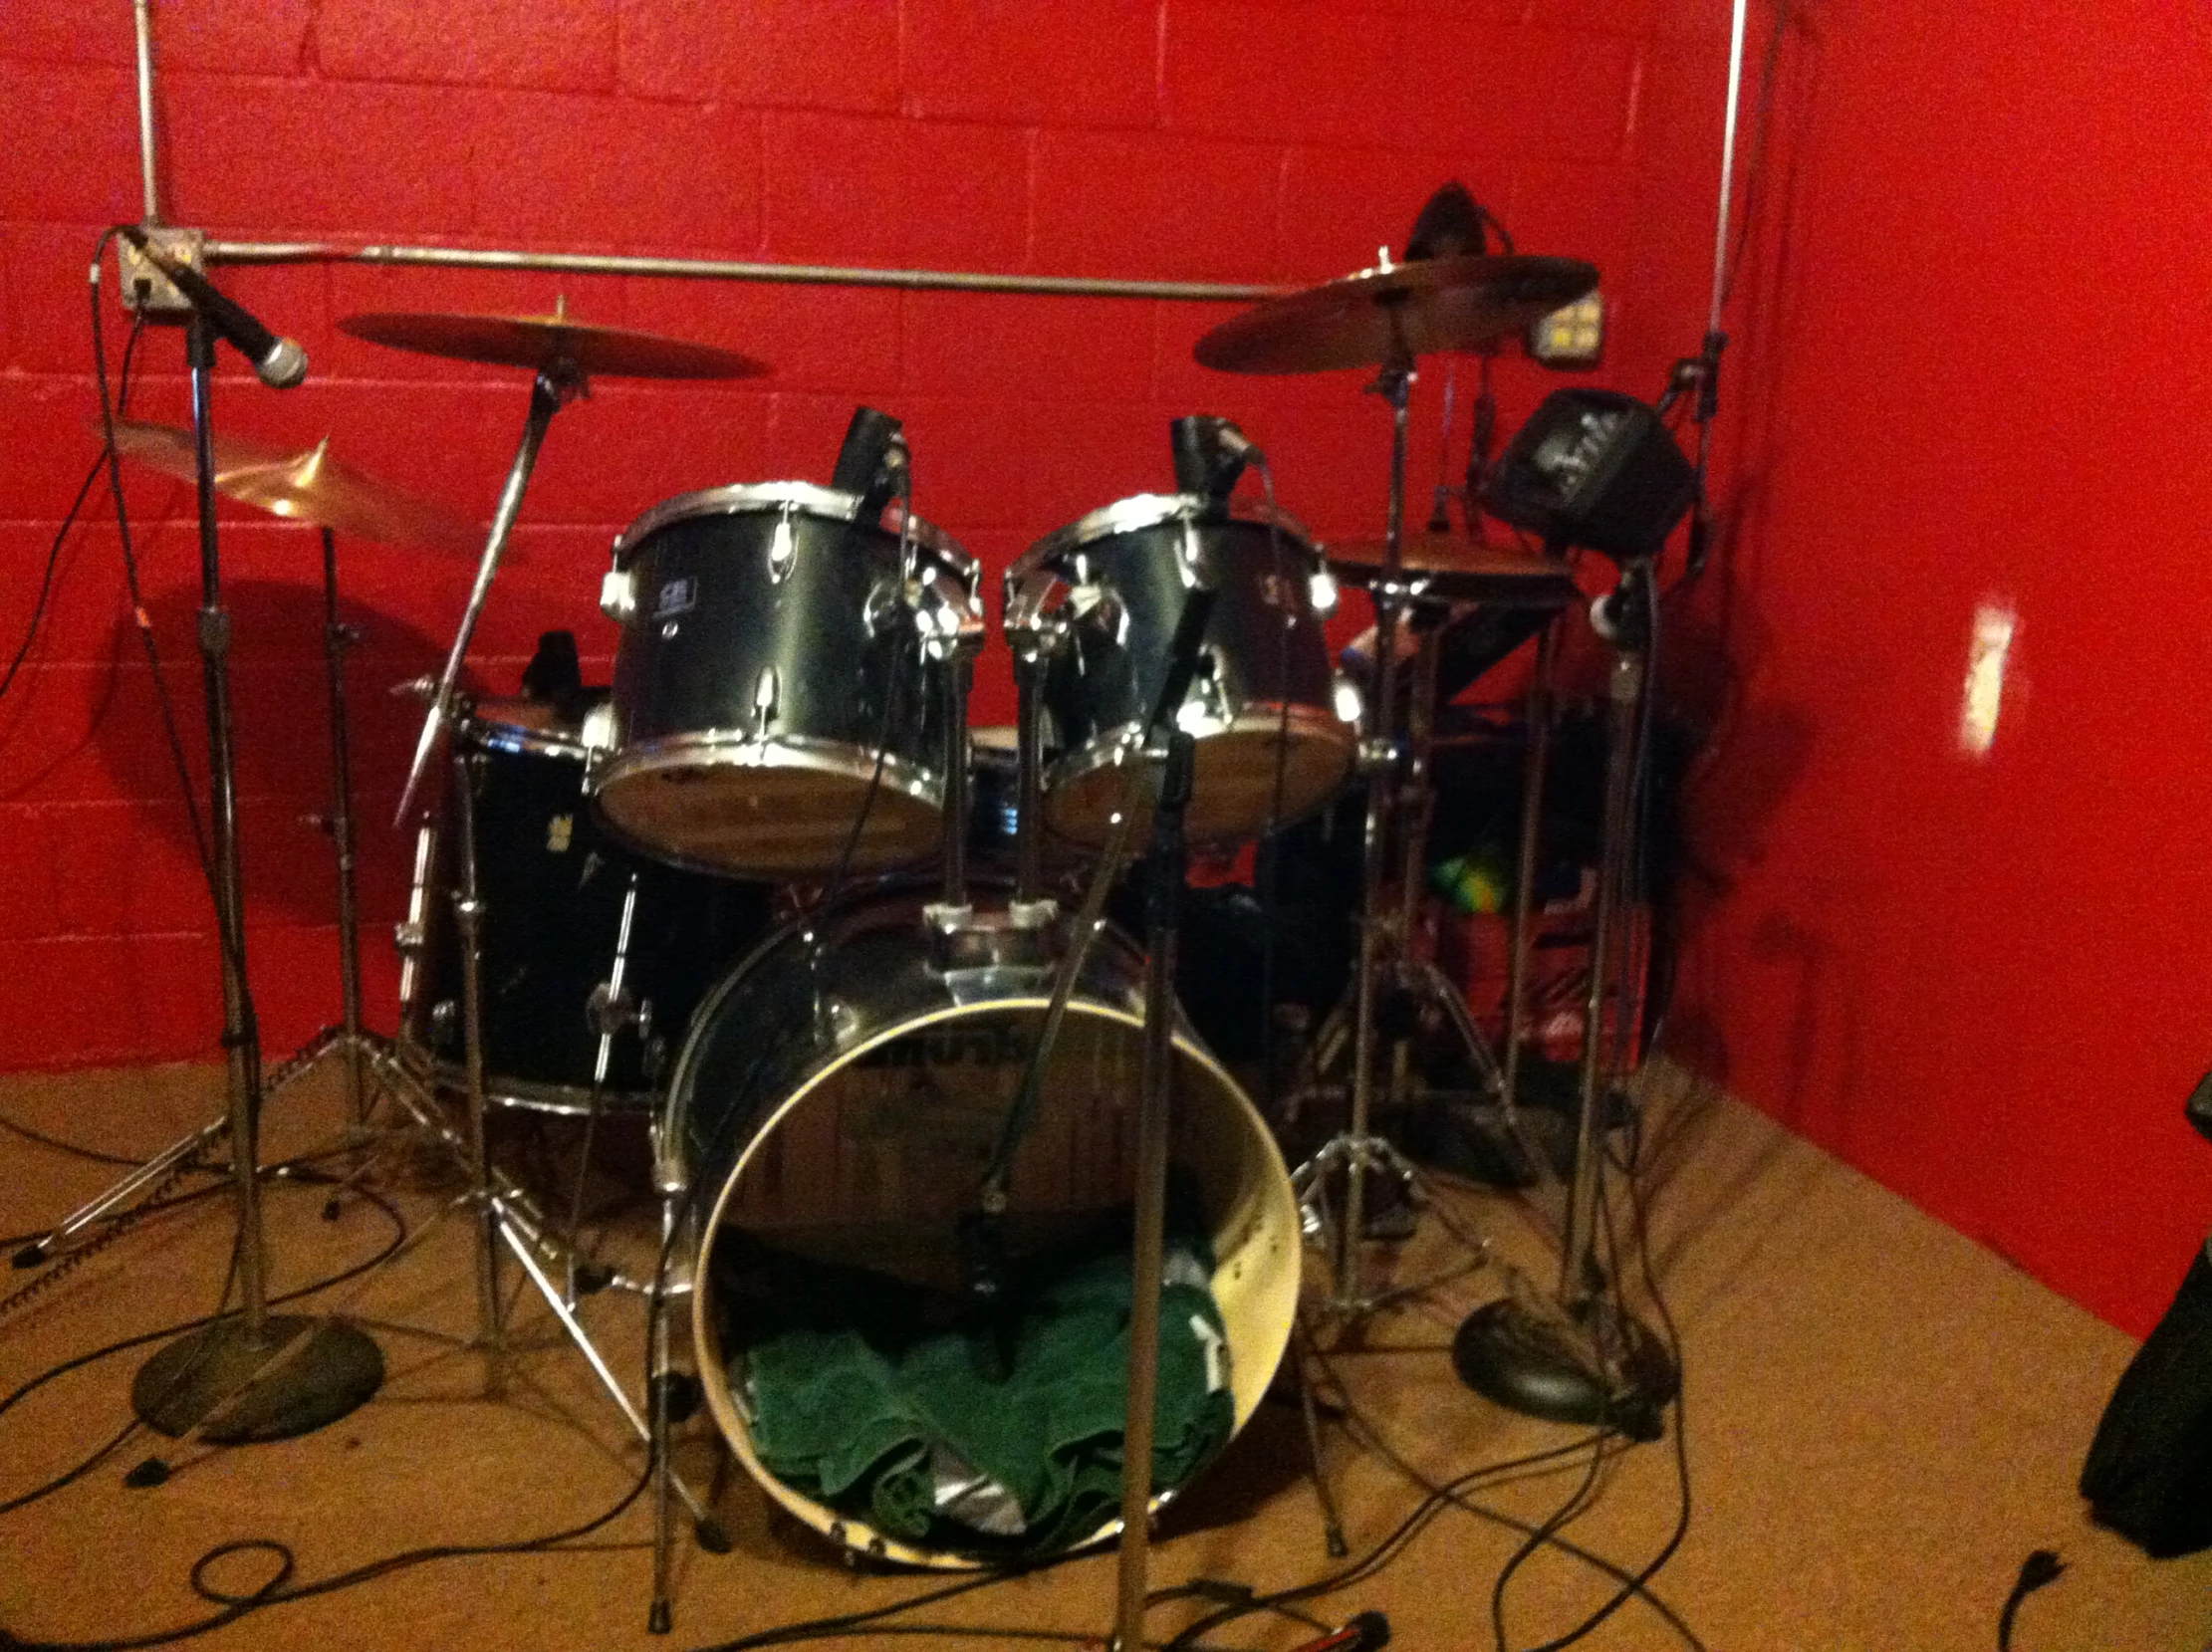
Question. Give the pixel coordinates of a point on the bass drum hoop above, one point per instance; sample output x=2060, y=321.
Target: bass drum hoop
x=1269, y=1303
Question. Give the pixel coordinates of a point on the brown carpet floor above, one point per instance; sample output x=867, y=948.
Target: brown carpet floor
x=1883, y=1419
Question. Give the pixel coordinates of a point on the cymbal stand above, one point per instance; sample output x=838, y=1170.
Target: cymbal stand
x=1358, y=1152
x=366, y=1054
x=555, y=386
x=504, y=1215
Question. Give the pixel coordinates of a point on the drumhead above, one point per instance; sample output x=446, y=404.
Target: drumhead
x=804, y=498
x=1137, y=512
x=863, y=1154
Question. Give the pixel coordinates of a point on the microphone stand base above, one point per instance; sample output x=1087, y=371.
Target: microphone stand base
x=1529, y=1362
x=236, y=1388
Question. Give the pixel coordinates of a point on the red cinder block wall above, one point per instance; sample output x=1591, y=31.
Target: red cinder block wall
x=1215, y=139
x=1969, y=370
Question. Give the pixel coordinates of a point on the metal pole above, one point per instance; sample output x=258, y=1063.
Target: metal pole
x=336, y=639
x=725, y=269
x=1148, y=1236
x=1395, y=383
x=547, y=396
x=468, y=909
x=241, y=1039
x=142, y=17
x=1533, y=773
x=1727, y=163
x=1625, y=699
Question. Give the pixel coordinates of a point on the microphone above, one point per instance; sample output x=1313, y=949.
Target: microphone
x=278, y=363
x=1210, y=454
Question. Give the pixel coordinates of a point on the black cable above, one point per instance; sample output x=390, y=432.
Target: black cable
x=68, y=518
x=1384, y=1553
x=2042, y=1566
x=279, y=1591
x=233, y=945
x=16, y=1127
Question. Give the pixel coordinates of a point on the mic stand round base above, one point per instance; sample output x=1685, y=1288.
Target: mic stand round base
x=1596, y=1366
x=229, y=1386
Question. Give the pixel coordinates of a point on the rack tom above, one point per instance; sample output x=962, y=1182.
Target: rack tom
x=1270, y=745
x=769, y=680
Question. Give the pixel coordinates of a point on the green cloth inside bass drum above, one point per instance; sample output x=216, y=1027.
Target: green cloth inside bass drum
x=989, y=1433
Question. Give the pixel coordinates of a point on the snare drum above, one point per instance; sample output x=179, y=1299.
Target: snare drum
x=553, y=887
x=769, y=679
x=1263, y=706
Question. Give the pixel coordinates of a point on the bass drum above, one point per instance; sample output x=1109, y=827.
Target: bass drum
x=839, y=1102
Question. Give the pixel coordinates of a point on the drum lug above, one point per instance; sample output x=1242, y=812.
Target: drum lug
x=765, y=688
x=783, y=549
x=618, y=596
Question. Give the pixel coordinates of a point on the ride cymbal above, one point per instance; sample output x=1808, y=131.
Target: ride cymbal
x=1396, y=315
x=550, y=341
x=310, y=487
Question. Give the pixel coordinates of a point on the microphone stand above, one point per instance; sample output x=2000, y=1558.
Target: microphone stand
x=1168, y=868
x=1581, y=1357
x=248, y=1376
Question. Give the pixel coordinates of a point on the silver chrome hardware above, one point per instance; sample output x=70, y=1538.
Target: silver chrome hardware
x=783, y=549
x=764, y=701
x=599, y=733
x=1321, y=592
x=619, y=595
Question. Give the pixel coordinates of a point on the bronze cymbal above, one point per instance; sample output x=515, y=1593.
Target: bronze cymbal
x=545, y=341
x=310, y=487
x=1447, y=567
x=1395, y=314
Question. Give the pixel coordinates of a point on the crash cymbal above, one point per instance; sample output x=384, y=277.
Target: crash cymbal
x=543, y=342
x=310, y=487
x=1396, y=315
x=1446, y=568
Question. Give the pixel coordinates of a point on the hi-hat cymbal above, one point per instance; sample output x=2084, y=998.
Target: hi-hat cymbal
x=310, y=487
x=1446, y=568
x=550, y=341
x=1396, y=315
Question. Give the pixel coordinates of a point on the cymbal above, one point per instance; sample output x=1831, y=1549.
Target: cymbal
x=1395, y=314
x=1449, y=568
x=543, y=341
x=310, y=487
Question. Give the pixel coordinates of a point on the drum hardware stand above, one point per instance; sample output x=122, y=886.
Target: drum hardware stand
x=1581, y=1357
x=269, y=1377
x=1358, y=1152
x=555, y=388
x=1163, y=900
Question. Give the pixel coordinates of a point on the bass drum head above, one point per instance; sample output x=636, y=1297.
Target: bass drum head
x=1233, y=791
x=871, y=1161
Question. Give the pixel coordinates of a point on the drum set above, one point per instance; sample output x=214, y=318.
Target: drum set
x=768, y=892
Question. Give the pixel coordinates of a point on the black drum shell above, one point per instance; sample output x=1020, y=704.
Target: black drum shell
x=1264, y=667
x=551, y=882
x=728, y=587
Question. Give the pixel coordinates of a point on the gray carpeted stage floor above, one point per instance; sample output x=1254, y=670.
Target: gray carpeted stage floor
x=1882, y=1421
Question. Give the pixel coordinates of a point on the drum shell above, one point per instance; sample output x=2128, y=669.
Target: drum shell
x=552, y=883
x=1265, y=663
x=760, y=1058
x=762, y=664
